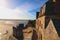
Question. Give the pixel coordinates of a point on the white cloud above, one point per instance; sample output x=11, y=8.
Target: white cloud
x=3, y=3
x=21, y=12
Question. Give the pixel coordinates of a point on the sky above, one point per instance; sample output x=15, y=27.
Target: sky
x=20, y=9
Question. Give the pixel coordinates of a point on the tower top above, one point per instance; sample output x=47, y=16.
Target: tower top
x=52, y=0
x=56, y=4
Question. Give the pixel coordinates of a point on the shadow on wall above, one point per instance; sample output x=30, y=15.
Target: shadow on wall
x=35, y=36
x=17, y=32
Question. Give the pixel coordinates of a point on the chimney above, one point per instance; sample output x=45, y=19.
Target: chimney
x=37, y=14
x=20, y=26
x=41, y=11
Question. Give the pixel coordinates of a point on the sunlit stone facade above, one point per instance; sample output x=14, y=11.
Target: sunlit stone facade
x=47, y=23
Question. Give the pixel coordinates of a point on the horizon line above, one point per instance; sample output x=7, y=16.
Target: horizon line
x=16, y=19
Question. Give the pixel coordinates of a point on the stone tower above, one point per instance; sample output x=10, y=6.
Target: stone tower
x=49, y=11
x=56, y=6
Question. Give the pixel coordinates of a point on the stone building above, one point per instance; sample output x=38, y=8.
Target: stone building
x=48, y=21
x=27, y=32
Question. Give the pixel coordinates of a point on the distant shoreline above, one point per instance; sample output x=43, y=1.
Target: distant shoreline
x=16, y=19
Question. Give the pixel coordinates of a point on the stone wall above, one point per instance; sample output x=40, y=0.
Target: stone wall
x=40, y=23
x=50, y=32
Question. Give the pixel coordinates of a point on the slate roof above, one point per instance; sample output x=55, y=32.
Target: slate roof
x=57, y=25
x=47, y=20
x=50, y=9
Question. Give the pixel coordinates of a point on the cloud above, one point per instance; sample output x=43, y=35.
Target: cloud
x=3, y=3
x=20, y=12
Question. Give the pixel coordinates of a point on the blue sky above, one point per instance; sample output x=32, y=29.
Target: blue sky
x=20, y=9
